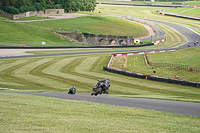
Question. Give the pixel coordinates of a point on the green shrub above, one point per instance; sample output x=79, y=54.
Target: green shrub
x=1, y=6
x=12, y=10
x=38, y=6
x=58, y=6
x=24, y=9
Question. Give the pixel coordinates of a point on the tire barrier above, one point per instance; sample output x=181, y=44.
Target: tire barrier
x=125, y=46
x=154, y=78
x=179, y=16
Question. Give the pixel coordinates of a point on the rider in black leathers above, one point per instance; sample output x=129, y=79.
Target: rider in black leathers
x=101, y=87
x=72, y=90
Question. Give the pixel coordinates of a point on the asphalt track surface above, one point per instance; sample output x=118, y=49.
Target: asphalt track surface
x=151, y=104
x=176, y=107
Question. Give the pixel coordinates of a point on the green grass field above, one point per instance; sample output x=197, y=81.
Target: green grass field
x=34, y=33
x=26, y=113
x=194, y=3
x=149, y=13
x=186, y=11
x=136, y=63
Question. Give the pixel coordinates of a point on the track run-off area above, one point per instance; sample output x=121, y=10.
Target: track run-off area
x=176, y=107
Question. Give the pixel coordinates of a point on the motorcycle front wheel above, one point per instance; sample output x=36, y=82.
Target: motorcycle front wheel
x=98, y=91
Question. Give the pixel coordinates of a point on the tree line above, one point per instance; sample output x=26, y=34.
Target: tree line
x=21, y=6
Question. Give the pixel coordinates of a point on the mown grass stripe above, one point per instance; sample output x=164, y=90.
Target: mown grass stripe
x=11, y=77
x=67, y=81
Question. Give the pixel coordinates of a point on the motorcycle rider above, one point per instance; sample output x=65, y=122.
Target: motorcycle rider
x=105, y=84
x=72, y=90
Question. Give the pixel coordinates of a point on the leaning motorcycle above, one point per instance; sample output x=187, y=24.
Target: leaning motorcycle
x=100, y=88
x=97, y=89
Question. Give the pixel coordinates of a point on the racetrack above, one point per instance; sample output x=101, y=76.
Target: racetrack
x=152, y=104
x=177, y=107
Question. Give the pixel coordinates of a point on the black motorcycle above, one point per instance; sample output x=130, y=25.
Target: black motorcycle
x=101, y=87
x=72, y=90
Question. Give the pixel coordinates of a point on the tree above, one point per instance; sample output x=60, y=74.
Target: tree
x=32, y=5
x=24, y=8
x=12, y=10
x=1, y=6
x=37, y=6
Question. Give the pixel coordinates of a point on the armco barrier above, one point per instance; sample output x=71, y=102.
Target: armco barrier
x=155, y=78
x=180, y=16
x=153, y=5
x=46, y=47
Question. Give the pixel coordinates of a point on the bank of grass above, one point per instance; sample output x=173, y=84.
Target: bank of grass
x=19, y=34
x=22, y=113
x=137, y=63
x=96, y=25
x=34, y=33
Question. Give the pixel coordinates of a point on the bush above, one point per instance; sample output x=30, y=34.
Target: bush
x=32, y=8
x=1, y=6
x=38, y=6
x=58, y=6
x=12, y=10
x=24, y=9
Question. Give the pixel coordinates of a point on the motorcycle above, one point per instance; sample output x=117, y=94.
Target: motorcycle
x=72, y=90
x=101, y=87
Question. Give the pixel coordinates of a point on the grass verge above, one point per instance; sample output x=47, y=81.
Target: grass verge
x=22, y=113
x=34, y=33
x=136, y=63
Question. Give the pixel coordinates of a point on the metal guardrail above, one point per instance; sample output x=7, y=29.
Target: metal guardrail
x=85, y=46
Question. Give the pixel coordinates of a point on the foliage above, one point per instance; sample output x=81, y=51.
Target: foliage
x=1, y=6
x=12, y=10
x=32, y=5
